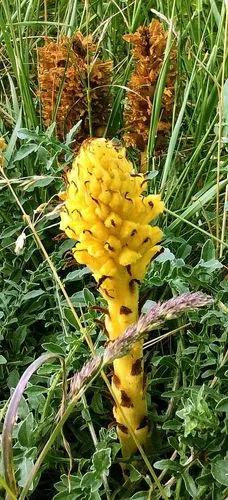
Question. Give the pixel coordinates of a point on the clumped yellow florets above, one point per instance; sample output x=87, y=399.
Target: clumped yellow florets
x=107, y=213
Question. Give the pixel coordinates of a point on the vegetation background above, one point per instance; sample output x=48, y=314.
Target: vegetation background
x=186, y=372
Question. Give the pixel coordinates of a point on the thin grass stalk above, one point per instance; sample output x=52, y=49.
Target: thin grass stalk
x=204, y=198
x=157, y=101
x=182, y=219
x=176, y=130
x=221, y=113
x=179, y=184
x=17, y=54
x=199, y=173
x=223, y=232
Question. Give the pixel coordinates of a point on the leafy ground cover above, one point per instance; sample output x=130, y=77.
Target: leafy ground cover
x=187, y=370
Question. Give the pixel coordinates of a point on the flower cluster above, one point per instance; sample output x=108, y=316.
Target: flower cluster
x=149, y=43
x=108, y=213
x=73, y=85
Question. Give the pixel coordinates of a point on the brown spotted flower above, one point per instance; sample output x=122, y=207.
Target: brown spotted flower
x=73, y=85
x=149, y=43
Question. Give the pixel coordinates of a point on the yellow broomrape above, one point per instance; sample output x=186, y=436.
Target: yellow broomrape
x=107, y=212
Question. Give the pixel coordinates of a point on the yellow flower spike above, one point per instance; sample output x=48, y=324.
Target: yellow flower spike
x=107, y=212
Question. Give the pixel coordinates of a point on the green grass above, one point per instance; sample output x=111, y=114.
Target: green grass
x=47, y=306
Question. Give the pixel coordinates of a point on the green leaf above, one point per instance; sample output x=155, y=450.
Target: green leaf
x=33, y=294
x=168, y=464
x=73, y=131
x=222, y=405
x=3, y=360
x=89, y=297
x=78, y=299
x=65, y=246
x=140, y=495
x=102, y=461
x=25, y=151
x=52, y=347
x=24, y=133
x=189, y=484
x=97, y=403
x=25, y=431
x=135, y=475
x=173, y=425
x=208, y=251
x=13, y=138
x=152, y=174
x=35, y=390
x=70, y=317
x=148, y=305
x=91, y=482
x=212, y=264
x=219, y=470
x=77, y=274
x=25, y=469
x=43, y=182
x=165, y=256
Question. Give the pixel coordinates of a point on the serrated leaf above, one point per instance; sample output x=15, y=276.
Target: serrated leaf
x=212, y=264
x=102, y=461
x=91, y=481
x=165, y=256
x=3, y=360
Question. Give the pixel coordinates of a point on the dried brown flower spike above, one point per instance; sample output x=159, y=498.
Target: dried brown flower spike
x=149, y=43
x=64, y=69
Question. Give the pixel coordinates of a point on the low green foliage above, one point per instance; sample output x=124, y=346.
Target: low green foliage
x=187, y=373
